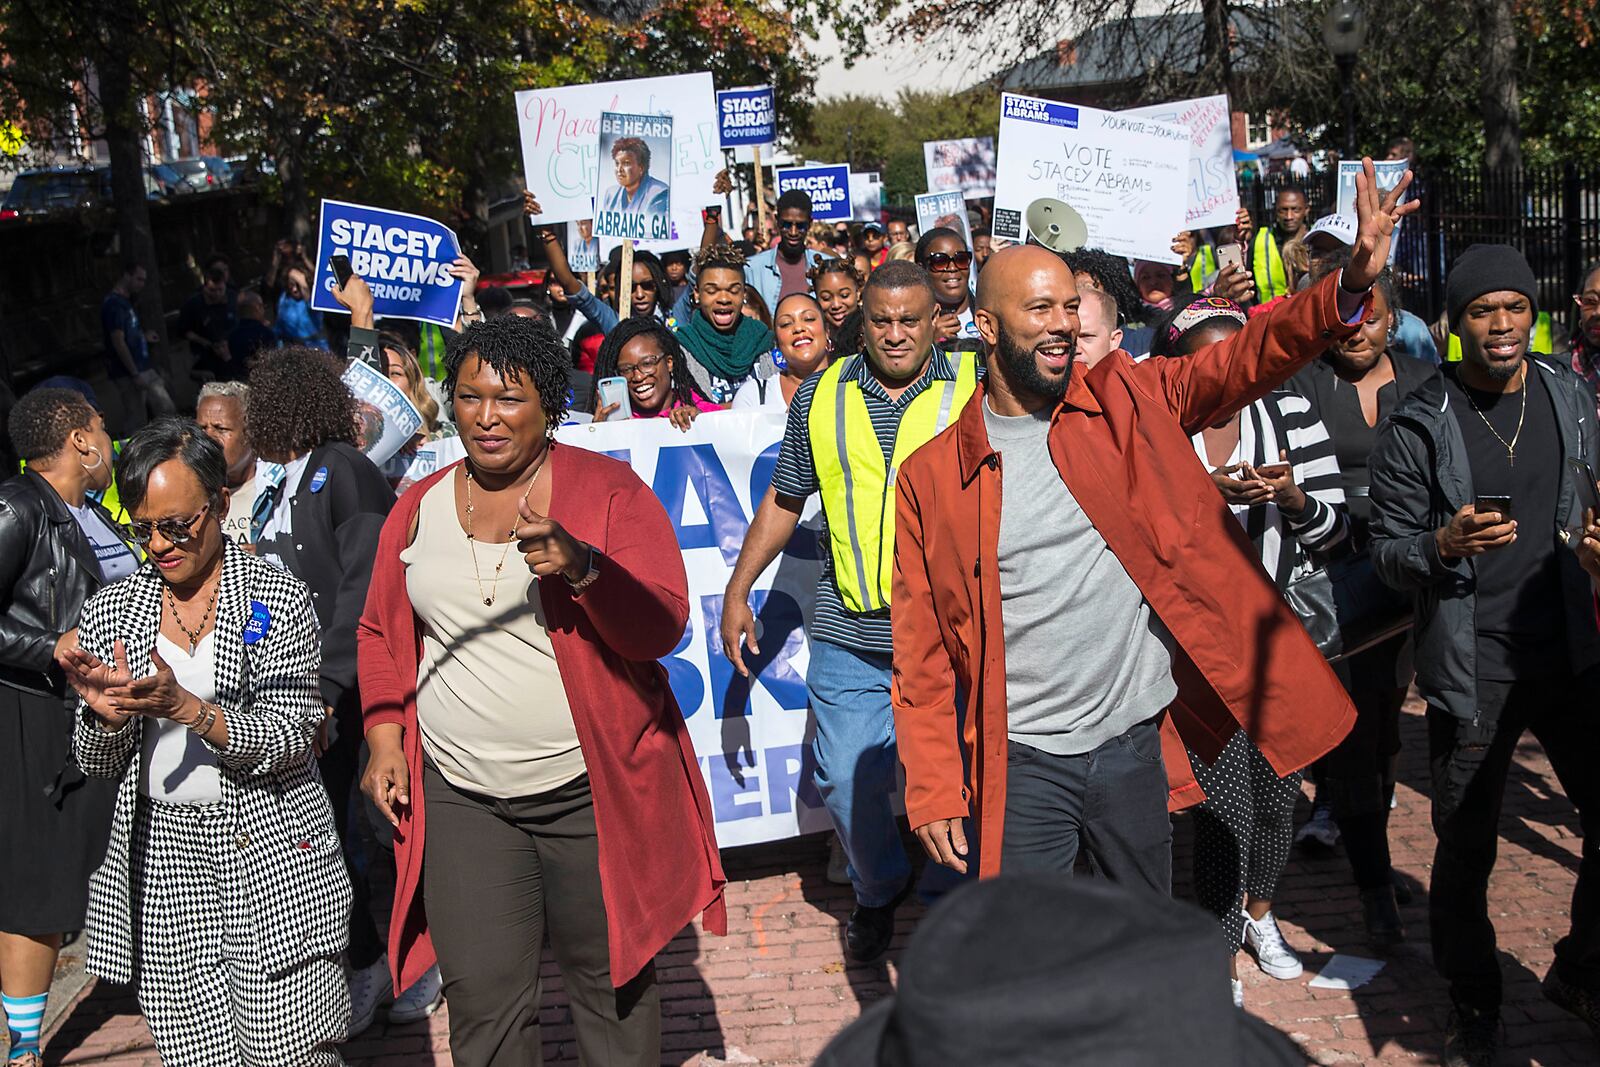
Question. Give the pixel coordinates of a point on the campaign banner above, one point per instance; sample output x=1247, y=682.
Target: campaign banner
x=386, y=419
x=404, y=259
x=560, y=133
x=966, y=166
x=750, y=735
x=866, y=196
x=828, y=186
x=1125, y=177
x=1388, y=172
x=635, y=179
x=747, y=117
x=944, y=209
x=1213, y=190
x=583, y=247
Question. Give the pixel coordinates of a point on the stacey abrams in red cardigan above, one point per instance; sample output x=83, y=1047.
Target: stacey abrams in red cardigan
x=592, y=578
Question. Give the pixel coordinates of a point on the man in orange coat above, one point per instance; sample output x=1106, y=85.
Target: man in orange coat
x=1105, y=609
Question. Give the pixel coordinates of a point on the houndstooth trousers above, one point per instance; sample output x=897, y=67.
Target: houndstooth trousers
x=206, y=1000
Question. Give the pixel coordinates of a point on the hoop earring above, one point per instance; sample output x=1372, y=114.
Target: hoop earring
x=99, y=459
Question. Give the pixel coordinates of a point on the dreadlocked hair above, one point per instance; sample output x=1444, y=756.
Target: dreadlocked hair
x=605, y=362
x=1111, y=274
x=518, y=350
x=835, y=266
x=719, y=257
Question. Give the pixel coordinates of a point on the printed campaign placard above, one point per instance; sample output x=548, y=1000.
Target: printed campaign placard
x=1213, y=189
x=750, y=735
x=965, y=166
x=747, y=117
x=404, y=259
x=583, y=247
x=828, y=186
x=1124, y=176
x=386, y=418
x=634, y=186
x=866, y=196
x=1388, y=172
x=944, y=209
x=560, y=133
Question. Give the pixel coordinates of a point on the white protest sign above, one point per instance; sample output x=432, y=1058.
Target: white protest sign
x=1213, y=190
x=866, y=196
x=560, y=133
x=749, y=735
x=944, y=209
x=965, y=166
x=386, y=419
x=1124, y=176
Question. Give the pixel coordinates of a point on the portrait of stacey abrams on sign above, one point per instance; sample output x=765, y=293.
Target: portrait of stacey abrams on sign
x=637, y=200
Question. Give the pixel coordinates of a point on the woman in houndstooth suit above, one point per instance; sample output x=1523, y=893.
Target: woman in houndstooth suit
x=223, y=895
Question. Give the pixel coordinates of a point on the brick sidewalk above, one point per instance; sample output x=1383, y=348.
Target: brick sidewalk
x=775, y=989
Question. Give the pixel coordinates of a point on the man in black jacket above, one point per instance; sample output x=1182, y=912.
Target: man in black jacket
x=1472, y=507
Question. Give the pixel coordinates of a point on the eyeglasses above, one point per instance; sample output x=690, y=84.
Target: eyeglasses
x=793, y=224
x=945, y=261
x=1587, y=302
x=647, y=365
x=175, y=531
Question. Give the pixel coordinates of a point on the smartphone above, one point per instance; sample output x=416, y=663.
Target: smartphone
x=1485, y=503
x=714, y=213
x=1230, y=254
x=1274, y=470
x=615, y=391
x=340, y=265
x=1583, y=483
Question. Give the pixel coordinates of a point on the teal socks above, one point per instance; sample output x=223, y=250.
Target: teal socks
x=24, y=1020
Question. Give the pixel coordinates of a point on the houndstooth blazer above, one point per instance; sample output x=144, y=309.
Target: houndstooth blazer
x=280, y=821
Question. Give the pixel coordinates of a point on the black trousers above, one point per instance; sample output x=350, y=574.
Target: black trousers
x=497, y=875
x=340, y=767
x=1357, y=778
x=1471, y=761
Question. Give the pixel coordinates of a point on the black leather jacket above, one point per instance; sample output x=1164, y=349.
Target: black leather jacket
x=47, y=570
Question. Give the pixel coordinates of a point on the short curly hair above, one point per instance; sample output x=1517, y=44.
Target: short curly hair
x=719, y=257
x=41, y=420
x=298, y=402
x=517, y=349
x=835, y=266
x=1111, y=274
x=634, y=147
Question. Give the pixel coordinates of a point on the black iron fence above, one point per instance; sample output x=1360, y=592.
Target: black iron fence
x=1551, y=213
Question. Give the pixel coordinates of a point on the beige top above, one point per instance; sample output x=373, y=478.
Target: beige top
x=491, y=710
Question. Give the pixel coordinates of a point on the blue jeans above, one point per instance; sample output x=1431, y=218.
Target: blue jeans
x=858, y=765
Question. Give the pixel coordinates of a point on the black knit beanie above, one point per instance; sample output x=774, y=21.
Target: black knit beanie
x=1488, y=269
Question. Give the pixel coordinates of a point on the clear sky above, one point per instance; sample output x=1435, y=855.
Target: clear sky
x=892, y=68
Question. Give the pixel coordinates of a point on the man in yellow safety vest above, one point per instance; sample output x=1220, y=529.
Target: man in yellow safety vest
x=1289, y=212
x=850, y=428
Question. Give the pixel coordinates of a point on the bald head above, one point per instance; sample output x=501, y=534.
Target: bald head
x=1028, y=315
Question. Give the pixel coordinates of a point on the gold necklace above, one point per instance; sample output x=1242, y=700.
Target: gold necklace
x=1511, y=445
x=195, y=634
x=511, y=537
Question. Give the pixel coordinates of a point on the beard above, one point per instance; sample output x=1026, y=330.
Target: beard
x=1022, y=368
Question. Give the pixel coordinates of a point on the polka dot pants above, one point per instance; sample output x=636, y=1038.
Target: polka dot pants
x=1242, y=833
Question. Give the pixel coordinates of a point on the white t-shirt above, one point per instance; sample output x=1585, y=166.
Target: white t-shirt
x=749, y=394
x=241, y=508
x=175, y=765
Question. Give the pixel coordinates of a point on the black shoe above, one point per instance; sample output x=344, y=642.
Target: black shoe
x=1378, y=907
x=1472, y=1038
x=1402, y=892
x=871, y=929
x=1584, y=1003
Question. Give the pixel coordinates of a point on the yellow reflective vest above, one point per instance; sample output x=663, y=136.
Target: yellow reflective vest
x=857, y=487
x=1203, y=267
x=1540, y=342
x=1266, y=263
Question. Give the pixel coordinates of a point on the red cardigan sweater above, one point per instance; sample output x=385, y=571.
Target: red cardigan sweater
x=659, y=866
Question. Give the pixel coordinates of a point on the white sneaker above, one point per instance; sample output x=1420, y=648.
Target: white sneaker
x=421, y=1000
x=370, y=987
x=1273, y=955
x=1320, y=828
x=1238, y=993
x=838, y=866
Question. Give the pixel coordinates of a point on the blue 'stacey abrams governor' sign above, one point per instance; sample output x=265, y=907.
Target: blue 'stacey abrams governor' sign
x=405, y=260
x=747, y=117
x=827, y=185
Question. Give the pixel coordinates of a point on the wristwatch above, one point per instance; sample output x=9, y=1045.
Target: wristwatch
x=589, y=577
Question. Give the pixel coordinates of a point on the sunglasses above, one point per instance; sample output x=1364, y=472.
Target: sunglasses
x=175, y=531
x=945, y=261
x=791, y=224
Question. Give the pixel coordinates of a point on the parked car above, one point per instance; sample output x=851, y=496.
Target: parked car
x=39, y=192
x=204, y=172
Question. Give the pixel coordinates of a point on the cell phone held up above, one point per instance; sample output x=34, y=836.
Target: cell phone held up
x=1487, y=503
x=615, y=391
x=1231, y=254
x=340, y=265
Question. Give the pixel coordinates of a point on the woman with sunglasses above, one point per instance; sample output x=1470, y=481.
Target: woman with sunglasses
x=650, y=286
x=725, y=345
x=802, y=350
x=57, y=548
x=836, y=283
x=943, y=253
x=223, y=894
x=646, y=355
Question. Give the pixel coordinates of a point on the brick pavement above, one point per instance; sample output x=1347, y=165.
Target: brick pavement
x=777, y=987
